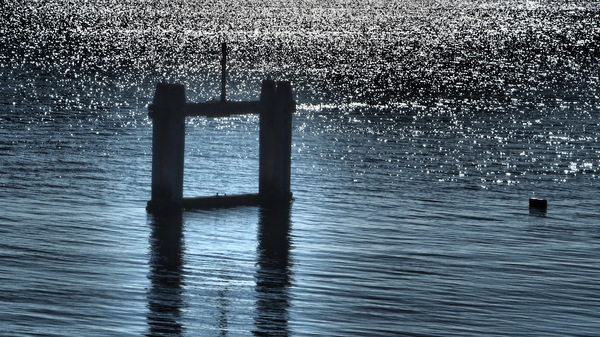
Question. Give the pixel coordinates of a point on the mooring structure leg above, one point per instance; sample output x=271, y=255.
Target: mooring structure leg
x=275, y=141
x=168, y=143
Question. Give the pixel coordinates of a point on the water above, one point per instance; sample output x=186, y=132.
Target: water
x=422, y=129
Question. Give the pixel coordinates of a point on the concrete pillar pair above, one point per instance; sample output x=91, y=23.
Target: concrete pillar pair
x=168, y=143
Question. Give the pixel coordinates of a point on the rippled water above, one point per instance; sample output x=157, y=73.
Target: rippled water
x=422, y=129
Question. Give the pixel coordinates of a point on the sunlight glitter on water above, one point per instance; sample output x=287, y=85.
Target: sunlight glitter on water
x=422, y=129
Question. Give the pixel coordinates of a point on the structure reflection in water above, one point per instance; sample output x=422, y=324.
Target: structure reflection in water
x=274, y=273
x=165, y=296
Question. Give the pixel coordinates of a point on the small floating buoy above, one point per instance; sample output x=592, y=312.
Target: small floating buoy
x=540, y=204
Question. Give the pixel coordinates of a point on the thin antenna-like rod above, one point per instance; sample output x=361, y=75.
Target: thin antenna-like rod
x=223, y=71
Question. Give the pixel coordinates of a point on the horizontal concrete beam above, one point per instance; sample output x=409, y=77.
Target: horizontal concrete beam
x=235, y=200
x=222, y=109
x=221, y=201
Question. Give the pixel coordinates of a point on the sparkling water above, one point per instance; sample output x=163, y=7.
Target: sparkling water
x=422, y=129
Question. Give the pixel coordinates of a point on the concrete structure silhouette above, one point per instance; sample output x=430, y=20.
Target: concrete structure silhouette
x=168, y=112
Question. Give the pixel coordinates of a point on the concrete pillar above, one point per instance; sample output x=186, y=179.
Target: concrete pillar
x=285, y=107
x=168, y=143
x=266, y=142
x=275, y=141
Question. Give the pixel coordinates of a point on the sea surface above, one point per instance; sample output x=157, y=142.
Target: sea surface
x=422, y=129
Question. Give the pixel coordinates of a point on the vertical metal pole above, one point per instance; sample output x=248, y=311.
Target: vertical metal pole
x=223, y=71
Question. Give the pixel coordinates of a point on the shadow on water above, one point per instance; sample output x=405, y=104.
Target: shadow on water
x=274, y=273
x=165, y=296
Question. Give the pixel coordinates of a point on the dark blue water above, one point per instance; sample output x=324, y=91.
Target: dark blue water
x=422, y=130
